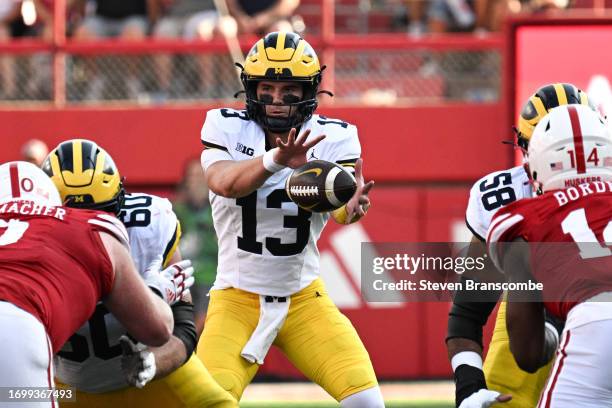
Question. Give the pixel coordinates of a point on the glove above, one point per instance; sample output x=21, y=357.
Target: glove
x=173, y=282
x=483, y=398
x=137, y=362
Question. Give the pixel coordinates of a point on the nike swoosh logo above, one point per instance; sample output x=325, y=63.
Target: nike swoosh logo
x=317, y=172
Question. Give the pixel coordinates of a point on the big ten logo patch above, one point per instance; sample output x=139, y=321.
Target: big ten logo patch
x=245, y=149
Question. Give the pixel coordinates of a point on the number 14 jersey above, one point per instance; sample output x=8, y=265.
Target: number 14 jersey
x=568, y=231
x=267, y=245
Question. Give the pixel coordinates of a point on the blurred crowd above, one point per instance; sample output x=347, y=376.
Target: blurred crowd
x=160, y=77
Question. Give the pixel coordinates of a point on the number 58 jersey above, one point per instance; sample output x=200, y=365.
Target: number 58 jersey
x=91, y=359
x=492, y=192
x=267, y=244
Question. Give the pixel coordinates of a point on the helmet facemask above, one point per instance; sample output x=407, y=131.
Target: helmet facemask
x=300, y=109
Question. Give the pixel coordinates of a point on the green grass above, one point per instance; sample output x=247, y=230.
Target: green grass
x=395, y=404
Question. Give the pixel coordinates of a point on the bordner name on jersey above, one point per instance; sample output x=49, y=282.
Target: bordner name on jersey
x=267, y=245
x=492, y=192
x=152, y=227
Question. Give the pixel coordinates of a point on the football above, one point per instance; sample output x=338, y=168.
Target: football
x=320, y=186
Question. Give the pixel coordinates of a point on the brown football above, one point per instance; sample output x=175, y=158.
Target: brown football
x=320, y=186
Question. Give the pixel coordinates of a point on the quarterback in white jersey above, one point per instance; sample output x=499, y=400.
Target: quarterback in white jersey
x=267, y=223
x=268, y=291
x=500, y=373
x=99, y=360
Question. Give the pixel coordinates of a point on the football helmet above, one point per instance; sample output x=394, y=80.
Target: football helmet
x=570, y=146
x=541, y=102
x=281, y=56
x=20, y=180
x=85, y=175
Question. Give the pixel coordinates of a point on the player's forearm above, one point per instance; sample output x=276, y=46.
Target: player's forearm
x=236, y=179
x=457, y=345
x=169, y=357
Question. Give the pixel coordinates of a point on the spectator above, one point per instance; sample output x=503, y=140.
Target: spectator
x=198, y=240
x=190, y=20
x=34, y=151
x=127, y=20
x=9, y=13
x=451, y=16
x=262, y=16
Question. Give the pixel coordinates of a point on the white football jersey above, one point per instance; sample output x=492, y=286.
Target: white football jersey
x=91, y=359
x=492, y=192
x=267, y=244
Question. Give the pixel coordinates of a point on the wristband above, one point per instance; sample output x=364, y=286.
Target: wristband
x=269, y=163
x=470, y=358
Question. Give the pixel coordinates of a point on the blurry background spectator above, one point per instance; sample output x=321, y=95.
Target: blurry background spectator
x=262, y=16
x=189, y=20
x=128, y=20
x=451, y=16
x=198, y=240
x=34, y=151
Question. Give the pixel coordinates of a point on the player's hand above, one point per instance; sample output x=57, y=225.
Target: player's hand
x=293, y=152
x=360, y=202
x=137, y=362
x=173, y=282
x=484, y=399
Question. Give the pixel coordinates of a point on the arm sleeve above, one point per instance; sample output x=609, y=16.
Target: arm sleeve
x=346, y=149
x=466, y=318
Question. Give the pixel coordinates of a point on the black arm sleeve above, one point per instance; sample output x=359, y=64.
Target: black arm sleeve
x=466, y=317
x=184, y=326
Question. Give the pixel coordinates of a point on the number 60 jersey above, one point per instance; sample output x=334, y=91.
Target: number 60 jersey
x=267, y=245
x=493, y=192
x=91, y=359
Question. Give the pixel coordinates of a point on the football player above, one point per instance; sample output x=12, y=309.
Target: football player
x=55, y=264
x=567, y=228
x=267, y=289
x=466, y=318
x=87, y=177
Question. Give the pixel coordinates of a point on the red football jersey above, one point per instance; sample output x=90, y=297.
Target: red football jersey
x=580, y=218
x=53, y=263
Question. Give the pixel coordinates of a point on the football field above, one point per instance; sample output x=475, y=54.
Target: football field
x=421, y=394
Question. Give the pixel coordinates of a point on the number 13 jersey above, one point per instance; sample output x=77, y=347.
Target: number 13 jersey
x=267, y=244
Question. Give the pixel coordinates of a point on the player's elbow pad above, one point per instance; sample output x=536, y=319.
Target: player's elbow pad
x=466, y=318
x=184, y=326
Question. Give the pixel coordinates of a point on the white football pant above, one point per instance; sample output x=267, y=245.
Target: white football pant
x=25, y=357
x=582, y=373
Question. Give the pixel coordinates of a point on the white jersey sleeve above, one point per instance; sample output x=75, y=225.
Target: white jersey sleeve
x=342, y=145
x=492, y=192
x=91, y=359
x=219, y=124
x=153, y=229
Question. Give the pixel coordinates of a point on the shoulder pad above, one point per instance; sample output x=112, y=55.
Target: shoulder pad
x=228, y=120
x=334, y=129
